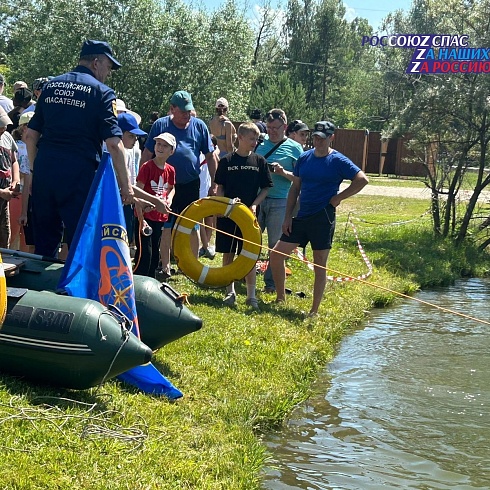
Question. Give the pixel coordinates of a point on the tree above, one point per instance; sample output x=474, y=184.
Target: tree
x=279, y=92
x=163, y=47
x=317, y=51
x=449, y=115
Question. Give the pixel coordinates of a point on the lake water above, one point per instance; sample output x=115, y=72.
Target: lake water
x=404, y=404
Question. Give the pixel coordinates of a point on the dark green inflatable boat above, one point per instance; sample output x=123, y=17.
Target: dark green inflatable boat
x=65, y=341
x=162, y=316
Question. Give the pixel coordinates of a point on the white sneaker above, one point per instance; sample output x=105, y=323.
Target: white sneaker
x=210, y=253
x=230, y=299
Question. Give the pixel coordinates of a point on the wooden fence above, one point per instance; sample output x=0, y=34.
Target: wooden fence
x=379, y=156
x=375, y=155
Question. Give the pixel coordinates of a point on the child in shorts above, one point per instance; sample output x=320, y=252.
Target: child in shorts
x=156, y=177
x=244, y=175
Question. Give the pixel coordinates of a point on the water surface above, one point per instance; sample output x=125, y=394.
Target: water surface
x=404, y=404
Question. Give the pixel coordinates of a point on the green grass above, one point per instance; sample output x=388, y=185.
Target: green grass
x=241, y=374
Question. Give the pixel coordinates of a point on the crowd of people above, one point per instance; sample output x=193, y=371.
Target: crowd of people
x=52, y=138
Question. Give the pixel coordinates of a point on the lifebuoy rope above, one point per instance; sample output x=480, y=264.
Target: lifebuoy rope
x=347, y=277
x=394, y=223
x=365, y=258
x=340, y=276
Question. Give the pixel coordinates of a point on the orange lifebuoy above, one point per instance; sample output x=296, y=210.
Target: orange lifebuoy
x=216, y=276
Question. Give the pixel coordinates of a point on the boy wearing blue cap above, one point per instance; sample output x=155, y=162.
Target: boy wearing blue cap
x=129, y=126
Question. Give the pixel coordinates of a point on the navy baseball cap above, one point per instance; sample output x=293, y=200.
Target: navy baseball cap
x=324, y=129
x=99, y=47
x=256, y=114
x=127, y=122
x=297, y=125
x=182, y=100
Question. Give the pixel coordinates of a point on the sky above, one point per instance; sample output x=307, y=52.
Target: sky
x=373, y=10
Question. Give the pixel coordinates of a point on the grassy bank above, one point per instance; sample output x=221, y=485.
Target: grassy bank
x=241, y=374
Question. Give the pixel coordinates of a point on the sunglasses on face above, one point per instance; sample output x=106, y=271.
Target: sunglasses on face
x=275, y=115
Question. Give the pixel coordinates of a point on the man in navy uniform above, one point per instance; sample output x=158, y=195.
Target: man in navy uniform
x=75, y=113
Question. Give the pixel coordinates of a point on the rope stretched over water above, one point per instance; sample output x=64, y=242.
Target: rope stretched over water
x=347, y=277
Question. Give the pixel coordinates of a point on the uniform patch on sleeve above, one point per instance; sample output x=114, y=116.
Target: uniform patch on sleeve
x=114, y=107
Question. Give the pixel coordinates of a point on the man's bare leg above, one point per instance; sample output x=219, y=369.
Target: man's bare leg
x=320, y=258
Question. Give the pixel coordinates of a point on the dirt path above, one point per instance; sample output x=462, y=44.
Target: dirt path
x=411, y=192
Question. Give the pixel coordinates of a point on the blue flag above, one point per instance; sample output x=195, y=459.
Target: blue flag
x=99, y=267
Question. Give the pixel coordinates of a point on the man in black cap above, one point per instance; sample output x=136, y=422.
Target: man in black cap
x=298, y=131
x=256, y=116
x=317, y=176
x=75, y=113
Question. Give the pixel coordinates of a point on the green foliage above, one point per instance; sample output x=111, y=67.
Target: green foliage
x=316, y=50
x=5, y=71
x=277, y=91
x=306, y=59
x=447, y=116
x=163, y=47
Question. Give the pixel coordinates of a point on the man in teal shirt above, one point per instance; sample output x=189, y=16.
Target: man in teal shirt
x=281, y=153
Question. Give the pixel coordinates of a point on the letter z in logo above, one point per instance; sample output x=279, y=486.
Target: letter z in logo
x=413, y=67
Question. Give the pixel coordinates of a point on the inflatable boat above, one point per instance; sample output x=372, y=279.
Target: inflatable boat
x=162, y=316
x=65, y=341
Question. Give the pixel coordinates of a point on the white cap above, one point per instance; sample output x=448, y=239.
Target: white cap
x=121, y=107
x=19, y=84
x=167, y=137
x=25, y=117
x=222, y=101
